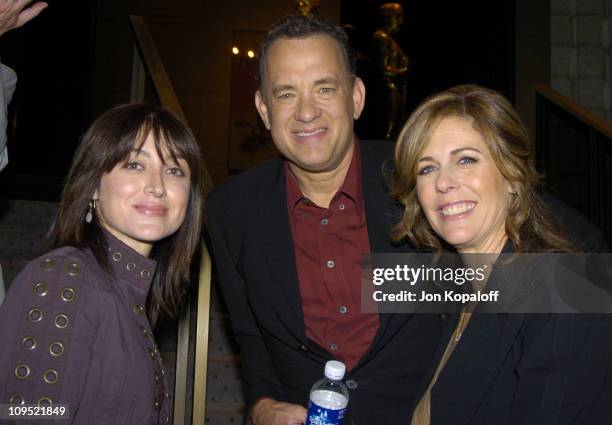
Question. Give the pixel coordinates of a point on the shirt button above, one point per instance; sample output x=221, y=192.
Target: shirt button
x=341, y=206
x=343, y=309
x=351, y=384
x=330, y=264
x=324, y=222
x=333, y=347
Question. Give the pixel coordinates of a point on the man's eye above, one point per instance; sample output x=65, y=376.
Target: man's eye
x=327, y=90
x=285, y=96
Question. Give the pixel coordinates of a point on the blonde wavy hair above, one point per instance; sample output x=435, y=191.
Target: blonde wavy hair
x=529, y=225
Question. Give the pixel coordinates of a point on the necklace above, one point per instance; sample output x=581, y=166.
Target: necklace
x=459, y=328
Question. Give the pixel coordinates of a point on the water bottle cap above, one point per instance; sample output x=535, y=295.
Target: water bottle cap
x=334, y=370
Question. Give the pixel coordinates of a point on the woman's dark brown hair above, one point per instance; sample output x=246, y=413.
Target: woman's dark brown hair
x=529, y=225
x=108, y=142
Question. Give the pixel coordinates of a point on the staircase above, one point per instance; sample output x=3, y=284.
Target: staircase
x=23, y=230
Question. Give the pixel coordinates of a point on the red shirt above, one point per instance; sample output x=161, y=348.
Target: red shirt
x=329, y=244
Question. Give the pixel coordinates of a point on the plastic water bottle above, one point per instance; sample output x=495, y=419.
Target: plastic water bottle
x=328, y=397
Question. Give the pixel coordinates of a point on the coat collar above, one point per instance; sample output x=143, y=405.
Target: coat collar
x=474, y=363
x=129, y=266
x=473, y=366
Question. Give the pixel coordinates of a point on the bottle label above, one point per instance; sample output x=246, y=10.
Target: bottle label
x=318, y=415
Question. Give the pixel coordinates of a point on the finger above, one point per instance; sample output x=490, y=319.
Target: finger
x=30, y=13
x=19, y=5
x=297, y=413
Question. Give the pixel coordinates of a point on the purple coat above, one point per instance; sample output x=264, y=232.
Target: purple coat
x=71, y=334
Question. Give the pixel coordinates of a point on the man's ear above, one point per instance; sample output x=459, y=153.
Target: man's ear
x=262, y=109
x=359, y=93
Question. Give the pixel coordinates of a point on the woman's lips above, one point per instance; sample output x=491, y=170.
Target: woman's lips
x=152, y=210
x=456, y=210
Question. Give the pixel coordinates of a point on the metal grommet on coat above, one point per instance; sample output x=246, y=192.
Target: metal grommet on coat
x=35, y=315
x=28, y=343
x=45, y=401
x=16, y=399
x=138, y=309
x=145, y=274
x=131, y=266
x=56, y=349
x=61, y=321
x=40, y=289
x=22, y=371
x=73, y=269
x=51, y=376
x=68, y=294
x=117, y=256
x=47, y=264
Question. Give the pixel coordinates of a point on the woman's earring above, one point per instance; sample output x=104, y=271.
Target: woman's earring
x=92, y=206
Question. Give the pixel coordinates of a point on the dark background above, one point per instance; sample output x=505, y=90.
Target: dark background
x=62, y=55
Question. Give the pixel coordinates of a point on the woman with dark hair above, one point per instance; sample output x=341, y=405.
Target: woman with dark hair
x=77, y=322
x=464, y=172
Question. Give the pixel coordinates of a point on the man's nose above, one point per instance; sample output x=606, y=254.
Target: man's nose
x=307, y=109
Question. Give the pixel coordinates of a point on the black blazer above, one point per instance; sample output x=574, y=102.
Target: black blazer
x=252, y=246
x=531, y=369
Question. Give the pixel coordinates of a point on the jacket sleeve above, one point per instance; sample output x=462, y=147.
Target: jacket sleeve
x=564, y=371
x=258, y=373
x=39, y=333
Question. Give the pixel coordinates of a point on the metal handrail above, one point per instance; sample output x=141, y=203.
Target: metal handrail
x=147, y=58
x=575, y=109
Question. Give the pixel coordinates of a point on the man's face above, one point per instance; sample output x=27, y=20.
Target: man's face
x=309, y=102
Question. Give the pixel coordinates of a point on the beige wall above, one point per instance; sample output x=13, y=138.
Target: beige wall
x=581, y=53
x=194, y=39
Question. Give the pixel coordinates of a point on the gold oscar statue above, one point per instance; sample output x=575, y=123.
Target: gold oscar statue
x=307, y=7
x=392, y=66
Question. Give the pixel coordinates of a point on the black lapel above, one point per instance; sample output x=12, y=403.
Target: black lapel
x=277, y=245
x=381, y=214
x=474, y=364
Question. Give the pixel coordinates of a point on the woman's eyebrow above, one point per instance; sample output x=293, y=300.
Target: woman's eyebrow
x=142, y=152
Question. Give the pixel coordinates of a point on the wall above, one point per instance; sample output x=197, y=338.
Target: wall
x=194, y=38
x=581, y=40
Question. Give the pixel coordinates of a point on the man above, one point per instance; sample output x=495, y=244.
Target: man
x=288, y=237
x=13, y=14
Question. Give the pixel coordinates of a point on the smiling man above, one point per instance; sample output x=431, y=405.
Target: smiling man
x=288, y=237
